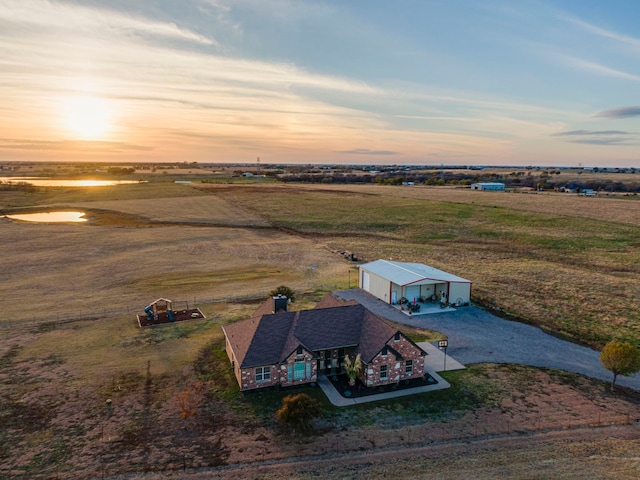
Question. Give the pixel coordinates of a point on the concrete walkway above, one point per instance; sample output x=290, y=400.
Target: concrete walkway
x=339, y=401
x=476, y=336
x=435, y=360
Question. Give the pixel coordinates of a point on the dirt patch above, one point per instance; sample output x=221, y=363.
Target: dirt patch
x=133, y=421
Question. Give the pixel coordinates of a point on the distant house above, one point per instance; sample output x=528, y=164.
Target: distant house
x=391, y=281
x=577, y=188
x=495, y=186
x=278, y=347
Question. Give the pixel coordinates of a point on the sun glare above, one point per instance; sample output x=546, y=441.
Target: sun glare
x=87, y=116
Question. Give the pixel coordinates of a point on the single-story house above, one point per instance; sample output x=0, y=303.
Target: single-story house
x=495, y=186
x=391, y=281
x=278, y=347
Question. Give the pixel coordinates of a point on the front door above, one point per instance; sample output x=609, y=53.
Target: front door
x=327, y=362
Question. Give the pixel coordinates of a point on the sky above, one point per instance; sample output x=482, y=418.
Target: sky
x=454, y=82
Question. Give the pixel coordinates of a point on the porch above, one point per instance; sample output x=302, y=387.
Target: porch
x=423, y=307
x=331, y=361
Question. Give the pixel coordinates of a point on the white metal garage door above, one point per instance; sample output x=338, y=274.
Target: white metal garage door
x=365, y=281
x=411, y=292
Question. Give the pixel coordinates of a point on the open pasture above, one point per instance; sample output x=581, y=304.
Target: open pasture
x=573, y=271
x=238, y=243
x=194, y=248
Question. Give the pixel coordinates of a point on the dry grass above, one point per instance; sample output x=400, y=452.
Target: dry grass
x=54, y=380
x=615, y=209
x=64, y=270
x=202, y=209
x=540, y=261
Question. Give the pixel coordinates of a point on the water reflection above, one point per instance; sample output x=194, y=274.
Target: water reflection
x=50, y=217
x=50, y=182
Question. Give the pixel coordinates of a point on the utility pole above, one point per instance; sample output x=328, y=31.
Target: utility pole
x=258, y=170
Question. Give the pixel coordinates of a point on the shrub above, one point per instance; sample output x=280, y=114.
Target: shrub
x=297, y=412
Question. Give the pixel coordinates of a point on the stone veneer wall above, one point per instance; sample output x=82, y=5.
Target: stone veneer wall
x=279, y=373
x=395, y=367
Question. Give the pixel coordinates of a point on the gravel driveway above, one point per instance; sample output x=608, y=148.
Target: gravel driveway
x=476, y=336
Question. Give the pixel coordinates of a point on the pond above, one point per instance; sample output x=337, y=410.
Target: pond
x=52, y=182
x=50, y=217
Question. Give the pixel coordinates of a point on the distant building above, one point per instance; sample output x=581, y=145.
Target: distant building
x=495, y=186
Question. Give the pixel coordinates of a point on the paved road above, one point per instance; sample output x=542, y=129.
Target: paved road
x=476, y=336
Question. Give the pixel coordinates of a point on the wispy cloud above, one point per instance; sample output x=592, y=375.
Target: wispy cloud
x=599, y=137
x=571, y=133
x=599, y=68
x=69, y=145
x=631, y=41
x=366, y=151
x=76, y=18
x=621, y=112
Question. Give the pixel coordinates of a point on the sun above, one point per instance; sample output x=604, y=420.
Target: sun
x=88, y=116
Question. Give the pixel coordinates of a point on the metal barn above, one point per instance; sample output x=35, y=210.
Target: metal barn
x=392, y=282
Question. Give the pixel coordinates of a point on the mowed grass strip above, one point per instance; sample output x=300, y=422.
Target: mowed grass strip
x=571, y=275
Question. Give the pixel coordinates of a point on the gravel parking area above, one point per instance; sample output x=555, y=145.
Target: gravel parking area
x=477, y=336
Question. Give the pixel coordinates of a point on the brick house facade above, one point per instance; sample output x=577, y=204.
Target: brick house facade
x=276, y=347
x=400, y=359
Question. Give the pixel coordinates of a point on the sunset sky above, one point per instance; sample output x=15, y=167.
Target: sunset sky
x=518, y=82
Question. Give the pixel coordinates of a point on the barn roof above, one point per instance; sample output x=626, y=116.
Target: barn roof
x=402, y=273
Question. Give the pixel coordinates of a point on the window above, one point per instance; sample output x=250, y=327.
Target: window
x=383, y=372
x=408, y=367
x=384, y=352
x=263, y=374
x=396, y=337
x=298, y=369
x=299, y=351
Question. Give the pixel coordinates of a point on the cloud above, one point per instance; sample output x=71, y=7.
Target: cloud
x=599, y=137
x=62, y=145
x=45, y=15
x=602, y=141
x=366, y=151
x=600, y=69
x=634, y=42
x=621, y=112
x=590, y=132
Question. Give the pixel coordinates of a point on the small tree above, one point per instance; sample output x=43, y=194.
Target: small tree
x=297, y=412
x=620, y=358
x=188, y=401
x=283, y=290
x=353, y=368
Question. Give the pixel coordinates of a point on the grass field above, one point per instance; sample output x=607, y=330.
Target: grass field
x=574, y=271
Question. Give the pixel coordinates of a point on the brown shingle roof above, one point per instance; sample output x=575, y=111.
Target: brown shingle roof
x=269, y=339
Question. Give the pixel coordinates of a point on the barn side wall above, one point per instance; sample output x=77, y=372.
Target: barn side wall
x=378, y=286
